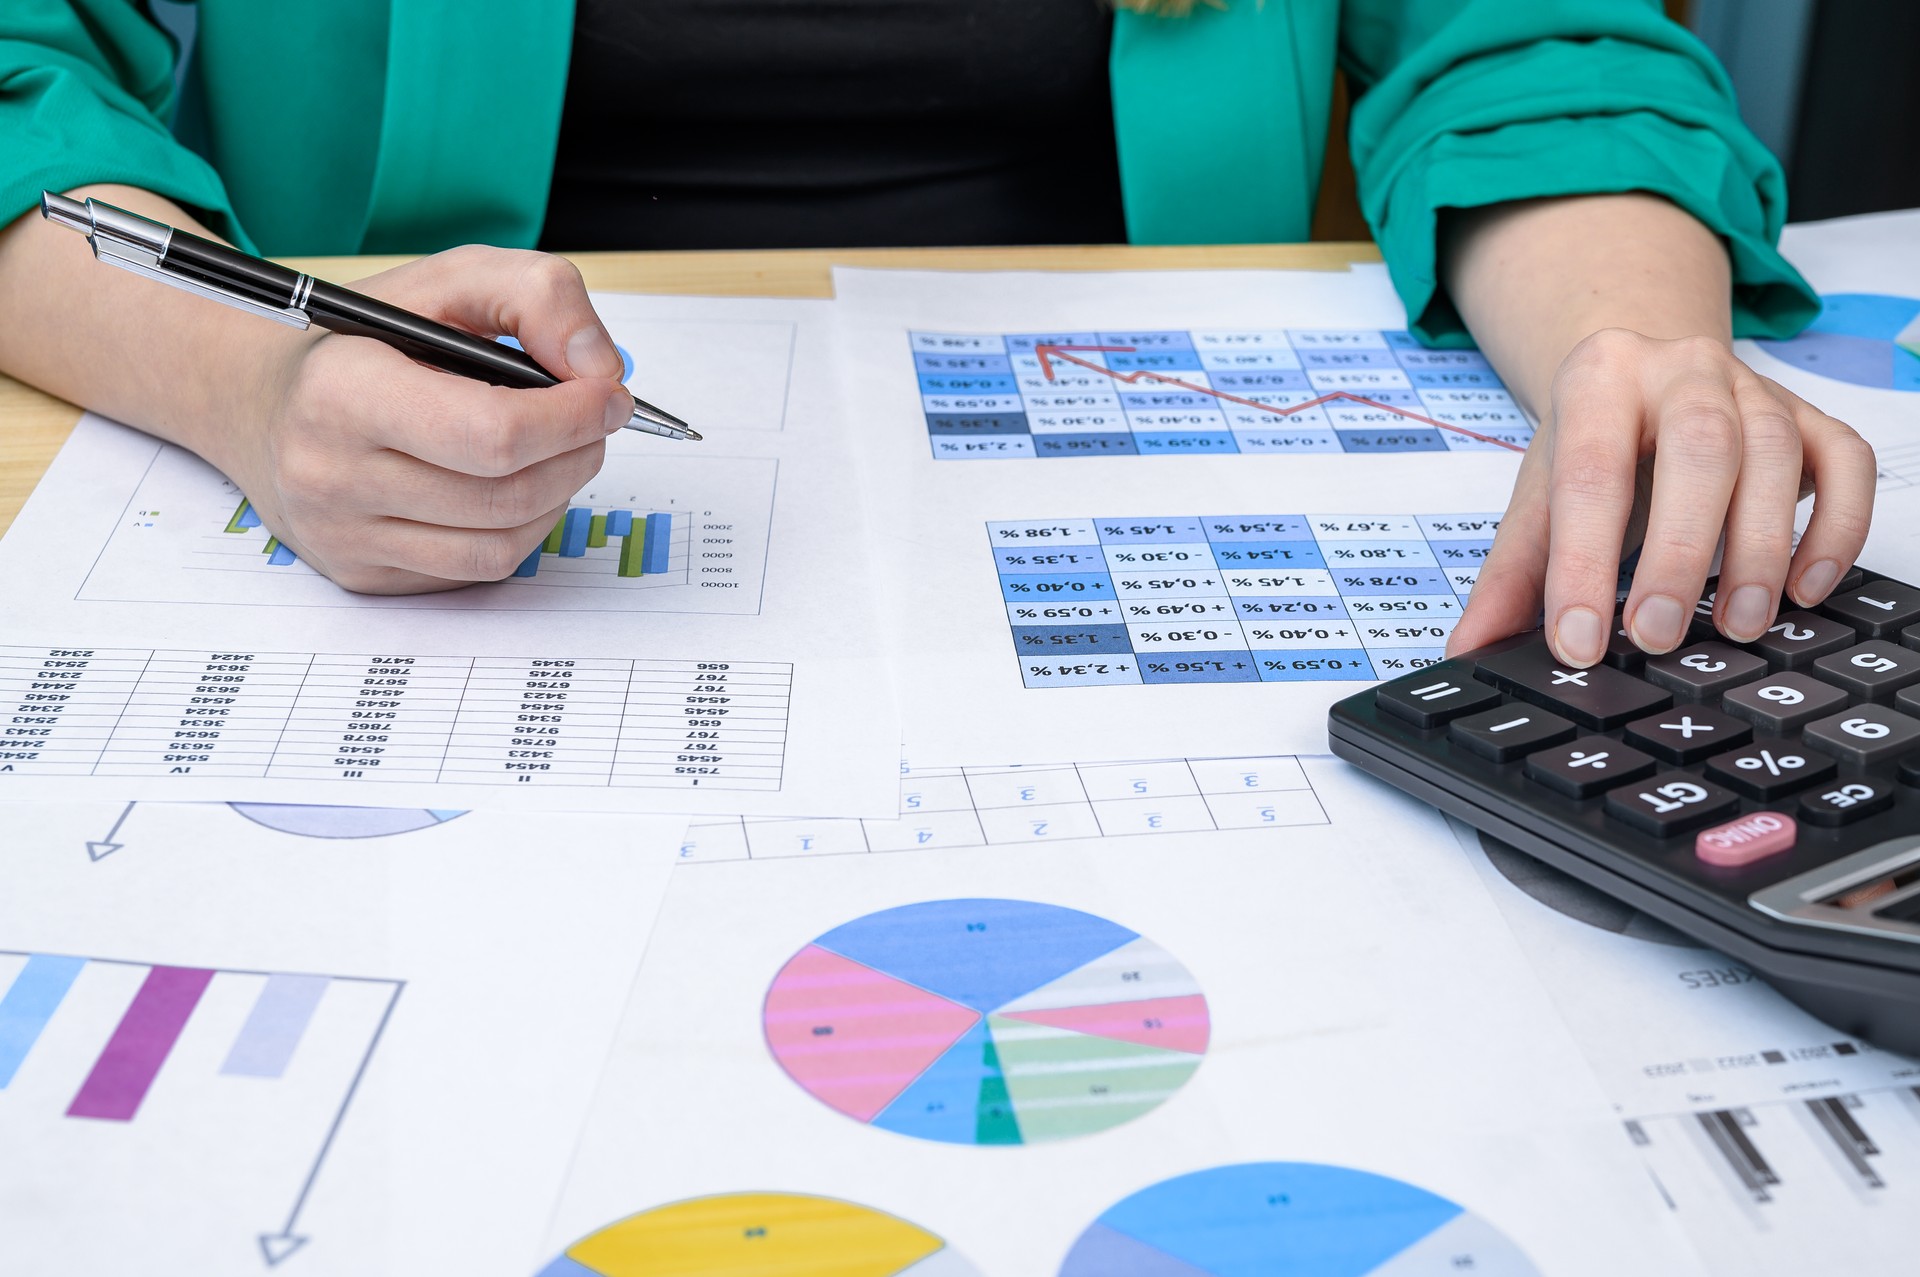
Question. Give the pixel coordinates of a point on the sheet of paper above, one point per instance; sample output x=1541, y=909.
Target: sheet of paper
x=1135, y=514
x=316, y=1040
x=1783, y=1145
x=698, y=634
x=975, y=1052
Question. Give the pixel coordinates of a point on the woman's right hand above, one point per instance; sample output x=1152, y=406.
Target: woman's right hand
x=394, y=478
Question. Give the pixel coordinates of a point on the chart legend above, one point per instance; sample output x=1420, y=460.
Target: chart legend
x=987, y=1022
x=989, y=396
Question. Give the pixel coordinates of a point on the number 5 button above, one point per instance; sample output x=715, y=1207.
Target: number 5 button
x=1865, y=734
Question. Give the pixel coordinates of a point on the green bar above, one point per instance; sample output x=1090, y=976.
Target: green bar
x=596, y=531
x=631, y=547
x=552, y=545
x=273, y=543
x=233, y=524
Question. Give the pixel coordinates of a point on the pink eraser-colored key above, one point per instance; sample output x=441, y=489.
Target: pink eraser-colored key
x=1743, y=840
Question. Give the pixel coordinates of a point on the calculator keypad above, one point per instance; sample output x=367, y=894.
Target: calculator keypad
x=1703, y=670
x=1588, y=766
x=1865, y=734
x=1769, y=768
x=1784, y=703
x=1877, y=609
x=1801, y=638
x=1671, y=803
x=1687, y=734
x=1598, y=697
x=1873, y=671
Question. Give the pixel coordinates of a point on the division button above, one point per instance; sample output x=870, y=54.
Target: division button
x=1670, y=803
x=1784, y=703
x=1770, y=768
x=1745, y=839
x=1510, y=731
x=1704, y=670
x=1801, y=638
x=1878, y=609
x=1588, y=766
x=1865, y=734
x=1687, y=735
x=1597, y=697
x=1845, y=803
x=1873, y=671
x=1431, y=696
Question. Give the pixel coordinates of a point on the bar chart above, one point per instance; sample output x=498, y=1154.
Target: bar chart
x=109, y=1066
x=652, y=533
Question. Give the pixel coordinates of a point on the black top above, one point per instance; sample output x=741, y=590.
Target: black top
x=835, y=123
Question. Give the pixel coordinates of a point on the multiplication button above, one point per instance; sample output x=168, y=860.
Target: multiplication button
x=1588, y=766
x=1770, y=768
x=1687, y=735
x=1510, y=731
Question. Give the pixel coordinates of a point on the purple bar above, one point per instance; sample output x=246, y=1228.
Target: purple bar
x=275, y=1026
x=134, y=1054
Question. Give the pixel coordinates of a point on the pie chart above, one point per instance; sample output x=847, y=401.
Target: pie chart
x=760, y=1235
x=315, y=821
x=1290, y=1219
x=1868, y=339
x=987, y=1021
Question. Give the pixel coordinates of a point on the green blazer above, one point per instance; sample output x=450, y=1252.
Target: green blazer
x=366, y=126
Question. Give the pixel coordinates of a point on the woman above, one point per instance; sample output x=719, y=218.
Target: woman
x=1564, y=180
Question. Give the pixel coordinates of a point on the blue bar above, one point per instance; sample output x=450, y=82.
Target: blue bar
x=282, y=556
x=249, y=518
x=530, y=564
x=573, y=533
x=619, y=523
x=659, y=542
x=275, y=1025
x=36, y=993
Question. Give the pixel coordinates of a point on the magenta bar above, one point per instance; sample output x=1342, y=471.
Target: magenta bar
x=134, y=1054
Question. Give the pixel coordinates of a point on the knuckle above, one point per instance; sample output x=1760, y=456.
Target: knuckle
x=1704, y=421
x=514, y=499
x=1588, y=473
x=1608, y=345
x=492, y=444
x=1583, y=566
x=489, y=556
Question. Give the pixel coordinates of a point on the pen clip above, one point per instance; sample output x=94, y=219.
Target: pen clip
x=139, y=244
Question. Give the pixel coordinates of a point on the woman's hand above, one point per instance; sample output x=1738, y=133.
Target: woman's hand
x=1677, y=440
x=391, y=477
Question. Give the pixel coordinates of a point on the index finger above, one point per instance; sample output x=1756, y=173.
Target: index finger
x=1597, y=431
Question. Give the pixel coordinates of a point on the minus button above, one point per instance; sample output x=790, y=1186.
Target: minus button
x=1510, y=731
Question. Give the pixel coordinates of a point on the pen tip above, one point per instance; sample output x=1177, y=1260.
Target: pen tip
x=693, y=434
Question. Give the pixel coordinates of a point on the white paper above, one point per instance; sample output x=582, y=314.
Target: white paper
x=575, y=688
x=385, y=1071
x=1366, y=1011
x=1689, y=1044
x=1153, y=639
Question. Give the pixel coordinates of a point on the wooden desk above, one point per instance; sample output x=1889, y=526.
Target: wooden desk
x=34, y=425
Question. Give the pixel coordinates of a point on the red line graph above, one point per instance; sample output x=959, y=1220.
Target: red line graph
x=1048, y=352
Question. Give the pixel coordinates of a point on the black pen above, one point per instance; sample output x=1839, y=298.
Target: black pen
x=227, y=275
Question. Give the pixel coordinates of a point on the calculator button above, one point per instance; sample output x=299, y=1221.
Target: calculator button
x=1784, y=703
x=1624, y=654
x=1704, y=670
x=1878, y=609
x=1701, y=628
x=1687, y=735
x=1597, y=697
x=1670, y=803
x=1437, y=693
x=1770, y=768
x=1845, y=803
x=1745, y=839
x=1510, y=731
x=1910, y=770
x=1801, y=638
x=1865, y=734
x=1873, y=671
x=1588, y=766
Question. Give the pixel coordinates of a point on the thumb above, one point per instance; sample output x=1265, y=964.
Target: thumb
x=1506, y=595
x=536, y=298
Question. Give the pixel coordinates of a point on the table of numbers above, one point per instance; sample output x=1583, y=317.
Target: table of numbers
x=1183, y=393
x=384, y=717
x=1235, y=598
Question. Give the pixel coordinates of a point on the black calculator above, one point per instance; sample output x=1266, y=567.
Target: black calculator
x=1762, y=798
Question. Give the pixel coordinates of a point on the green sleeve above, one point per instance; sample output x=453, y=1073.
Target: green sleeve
x=86, y=88
x=1470, y=102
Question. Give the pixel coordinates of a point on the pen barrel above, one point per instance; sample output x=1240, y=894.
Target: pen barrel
x=342, y=310
x=230, y=270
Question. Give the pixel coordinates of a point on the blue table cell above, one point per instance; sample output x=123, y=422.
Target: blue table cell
x=1146, y=340
x=1400, y=339
x=1084, y=446
x=984, y=448
x=1261, y=528
x=1443, y=359
x=1359, y=582
x=1397, y=661
x=1023, y=343
x=1294, y=441
x=1042, y=558
x=1040, y=533
x=1453, y=378
x=1249, y=360
x=1265, y=554
x=1199, y=667
x=970, y=405
x=1124, y=531
x=986, y=423
x=1150, y=396
x=1314, y=665
x=1417, y=439
x=1200, y=441
x=1062, y=641
x=961, y=363
x=1098, y=672
x=1060, y=585
x=1391, y=396
x=1460, y=553
x=1254, y=381
x=945, y=383
x=1348, y=359
x=1158, y=360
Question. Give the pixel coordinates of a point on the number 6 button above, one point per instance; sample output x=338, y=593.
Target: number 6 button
x=1865, y=734
x=1670, y=803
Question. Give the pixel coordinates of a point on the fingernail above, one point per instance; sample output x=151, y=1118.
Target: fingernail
x=1580, y=636
x=1816, y=582
x=1748, y=611
x=1658, y=624
x=619, y=411
x=590, y=353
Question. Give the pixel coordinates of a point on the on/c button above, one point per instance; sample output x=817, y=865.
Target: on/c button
x=1743, y=840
